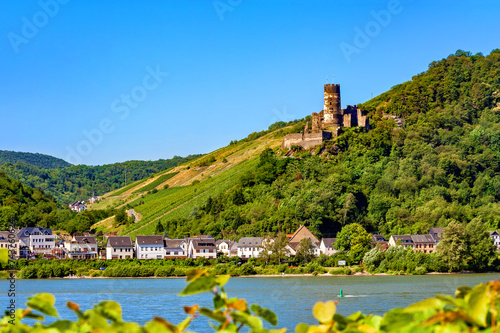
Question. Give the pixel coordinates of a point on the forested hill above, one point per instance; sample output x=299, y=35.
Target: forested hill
x=441, y=164
x=39, y=160
x=78, y=182
x=23, y=204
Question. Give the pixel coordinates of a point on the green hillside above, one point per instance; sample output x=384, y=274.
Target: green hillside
x=23, y=206
x=39, y=160
x=441, y=164
x=78, y=182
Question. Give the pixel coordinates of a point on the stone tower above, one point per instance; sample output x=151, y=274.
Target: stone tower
x=332, y=111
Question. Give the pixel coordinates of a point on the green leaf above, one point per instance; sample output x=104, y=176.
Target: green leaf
x=461, y=292
x=449, y=300
x=194, y=274
x=221, y=280
x=157, y=327
x=215, y=315
x=43, y=303
x=430, y=303
x=251, y=321
x=218, y=302
x=110, y=310
x=301, y=328
x=64, y=326
x=4, y=256
x=184, y=324
x=95, y=319
x=478, y=303
x=201, y=284
x=324, y=312
x=35, y=316
x=265, y=314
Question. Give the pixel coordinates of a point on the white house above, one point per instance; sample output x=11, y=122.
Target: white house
x=82, y=247
x=77, y=206
x=175, y=248
x=326, y=246
x=224, y=246
x=37, y=239
x=249, y=247
x=495, y=236
x=403, y=240
x=201, y=247
x=149, y=247
x=119, y=247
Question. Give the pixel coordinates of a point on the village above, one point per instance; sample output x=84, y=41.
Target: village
x=38, y=242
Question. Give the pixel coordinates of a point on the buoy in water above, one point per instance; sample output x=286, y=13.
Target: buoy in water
x=341, y=294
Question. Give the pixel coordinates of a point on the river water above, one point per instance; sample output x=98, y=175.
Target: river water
x=292, y=298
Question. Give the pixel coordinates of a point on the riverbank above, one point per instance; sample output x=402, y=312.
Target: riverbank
x=359, y=274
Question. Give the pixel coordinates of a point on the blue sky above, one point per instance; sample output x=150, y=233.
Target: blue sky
x=97, y=82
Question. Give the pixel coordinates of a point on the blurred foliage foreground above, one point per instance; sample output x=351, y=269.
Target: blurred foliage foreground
x=471, y=310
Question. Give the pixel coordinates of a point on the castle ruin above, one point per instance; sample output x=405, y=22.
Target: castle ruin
x=328, y=123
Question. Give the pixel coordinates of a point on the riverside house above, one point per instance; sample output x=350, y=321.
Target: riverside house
x=119, y=247
x=82, y=247
x=38, y=240
x=301, y=233
x=224, y=246
x=249, y=247
x=403, y=240
x=326, y=246
x=149, y=247
x=175, y=248
x=423, y=243
x=202, y=246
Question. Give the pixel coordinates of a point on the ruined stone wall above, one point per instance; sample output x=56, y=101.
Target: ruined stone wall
x=290, y=140
x=347, y=120
x=315, y=123
x=363, y=121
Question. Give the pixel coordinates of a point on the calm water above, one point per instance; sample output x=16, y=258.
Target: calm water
x=292, y=298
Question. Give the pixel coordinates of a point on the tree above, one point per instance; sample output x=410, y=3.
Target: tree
x=453, y=246
x=159, y=228
x=354, y=240
x=305, y=252
x=350, y=203
x=274, y=249
x=120, y=217
x=480, y=246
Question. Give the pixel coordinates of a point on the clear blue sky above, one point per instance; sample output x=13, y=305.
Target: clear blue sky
x=234, y=67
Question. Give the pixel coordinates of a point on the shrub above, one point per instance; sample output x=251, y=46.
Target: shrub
x=420, y=270
x=341, y=271
x=234, y=271
x=247, y=269
x=28, y=272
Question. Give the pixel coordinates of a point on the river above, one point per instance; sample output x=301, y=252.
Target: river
x=292, y=298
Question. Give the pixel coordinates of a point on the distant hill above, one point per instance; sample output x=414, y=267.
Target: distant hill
x=432, y=156
x=79, y=182
x=39, y=160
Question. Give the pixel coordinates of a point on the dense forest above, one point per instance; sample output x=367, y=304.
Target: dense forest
x=39, y=160
x=80, y=182
x=441, y=165
x=23, y=206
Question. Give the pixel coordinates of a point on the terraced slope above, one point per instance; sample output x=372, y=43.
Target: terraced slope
x=189, y=185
